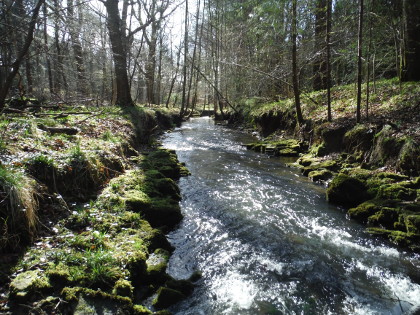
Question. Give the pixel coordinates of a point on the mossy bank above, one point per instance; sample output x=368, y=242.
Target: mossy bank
x=84, y=216
x=372, y=169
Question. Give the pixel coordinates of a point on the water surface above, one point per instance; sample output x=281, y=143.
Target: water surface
x=267, y=242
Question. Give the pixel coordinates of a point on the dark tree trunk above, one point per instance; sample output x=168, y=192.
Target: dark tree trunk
x=411, y=59
x=295, y=74
x=328, y=59
x=123, y=96
x=77, y=48
x=4, y=90
x=359, y=62
x=184, y=71
x=320, y=66
x=49, y=72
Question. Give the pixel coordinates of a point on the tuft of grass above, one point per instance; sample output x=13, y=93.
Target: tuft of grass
x=18, y=207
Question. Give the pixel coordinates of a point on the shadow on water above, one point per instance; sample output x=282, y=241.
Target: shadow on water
x=267, y=242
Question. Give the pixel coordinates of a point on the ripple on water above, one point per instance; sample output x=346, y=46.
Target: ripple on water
x=267, y=242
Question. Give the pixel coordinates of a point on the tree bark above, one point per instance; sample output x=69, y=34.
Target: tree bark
x=320, y=67
x=411, y=59
x=184, y=70
x=359, y=62
x=4, y=90
x=328, y=60
x=295, y=74
x=74, y=30
x=123, y=95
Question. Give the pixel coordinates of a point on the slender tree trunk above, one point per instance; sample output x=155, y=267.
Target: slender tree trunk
x=174, y=77
x=320, y=67
x=29, y=79
x=49, y=72
x=74, y=29
x=328, y=61
x=123, y=96
x=4, y=90
x=184, y=74
x=296, y=89
x=368, y=60
x=359, y=62
x=411, y=41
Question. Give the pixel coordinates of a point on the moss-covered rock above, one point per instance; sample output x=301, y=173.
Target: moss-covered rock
x=365, y=210
x=396, y=192
x=27, y=285
x=359, y=139
x=123, y=288
x=156, y=266
x=399, y=238
x=166, y=297
x=347, y=191
x=320, y=175
x=386, y=217
x=386, y=147
x=409, y=158
x=412, y=223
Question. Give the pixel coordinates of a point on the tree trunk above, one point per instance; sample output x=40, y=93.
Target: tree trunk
x=320, y=67
x=74, y=30
x=4, y=90
x=359, y=62
x=411, y=58
x=296, y=90
x=49, y=72
x=184, y=73
x=328, y=60
x=123, y=96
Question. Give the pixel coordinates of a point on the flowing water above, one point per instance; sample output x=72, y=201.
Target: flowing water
x=267, y=242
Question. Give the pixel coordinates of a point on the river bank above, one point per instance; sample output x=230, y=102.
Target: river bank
x=372, y=169
x=86, y=200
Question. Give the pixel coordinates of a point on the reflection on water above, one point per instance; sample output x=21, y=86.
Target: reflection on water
x=267, y=242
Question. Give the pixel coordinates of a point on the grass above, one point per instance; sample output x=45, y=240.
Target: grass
x=18, y=207
x=388, y=96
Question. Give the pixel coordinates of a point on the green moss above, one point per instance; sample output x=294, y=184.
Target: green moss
x=27, y=285
x=347, y=191
x=141, y=310
x=409, y=158
x=58, y=274
x=412, y=223
x=386, y=217
x=359, y=139
x=365, y=210
x=396, y=192
x=320, y=175
x=123, y=288
x=167, y=297
x=319, y=149
x=306, y=160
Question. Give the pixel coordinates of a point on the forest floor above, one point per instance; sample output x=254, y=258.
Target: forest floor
x=389, y=102
x=86, y=196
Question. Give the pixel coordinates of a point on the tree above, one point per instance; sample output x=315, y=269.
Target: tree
x=411, y=41
x=328, y=58
x=4, y=90
x=119, y=53
x=320, y=64
x=295, y=73
x=359, y=62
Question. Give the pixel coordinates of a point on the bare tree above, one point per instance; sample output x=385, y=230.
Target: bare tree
x=359, y=62
x=4, y=90
x=295, y=73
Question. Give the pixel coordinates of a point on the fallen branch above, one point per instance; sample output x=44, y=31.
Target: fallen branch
x=53, y=130
x=93, y=115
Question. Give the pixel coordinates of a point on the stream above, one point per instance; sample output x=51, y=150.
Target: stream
x=267, y=242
